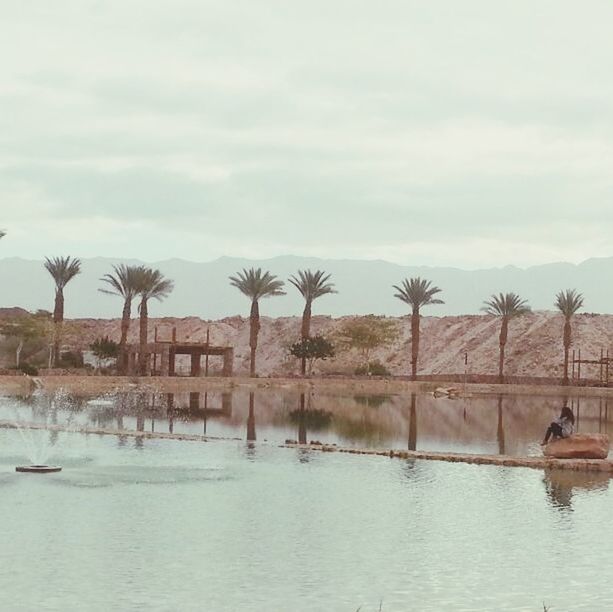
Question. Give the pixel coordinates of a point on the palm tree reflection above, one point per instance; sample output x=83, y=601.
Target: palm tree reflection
x=500, y=428
x=413, y=423
x=251, y=419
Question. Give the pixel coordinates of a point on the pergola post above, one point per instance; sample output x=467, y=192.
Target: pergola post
x=228, y=362
x=196, y=358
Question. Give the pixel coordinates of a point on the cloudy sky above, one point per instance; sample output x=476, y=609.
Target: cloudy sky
x=436, y=132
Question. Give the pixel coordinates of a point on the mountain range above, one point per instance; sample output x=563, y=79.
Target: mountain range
x=202, y=289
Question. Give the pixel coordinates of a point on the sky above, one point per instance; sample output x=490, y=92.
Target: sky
x=469, y=134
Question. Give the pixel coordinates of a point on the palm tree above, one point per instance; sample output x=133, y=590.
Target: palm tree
x=150, y=284
x=416, y=292
x=256, y=285
x=124, y=282
x=568, y=303
x=507, y=306
x=312, y=285
x=62, y=270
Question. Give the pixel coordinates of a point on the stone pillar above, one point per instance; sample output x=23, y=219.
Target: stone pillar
x=164, y=362
x=171, y=363
x=131, y=363
x=196, y=358
x=226, y=403
x=194, y=401
x=228, y=362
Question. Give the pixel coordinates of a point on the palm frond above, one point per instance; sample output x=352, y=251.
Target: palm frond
x=417, y=292
x=123, y=282
x=62, y=269
x=506, y=305
x=312, y=285
x=255, y=284
x=150, y=283
x=568, y=302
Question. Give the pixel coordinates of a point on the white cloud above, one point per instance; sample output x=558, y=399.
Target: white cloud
x=470, y=134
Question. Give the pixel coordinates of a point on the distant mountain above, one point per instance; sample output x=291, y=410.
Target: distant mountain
x=364, y=287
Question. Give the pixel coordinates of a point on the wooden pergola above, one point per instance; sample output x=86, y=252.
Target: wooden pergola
x=161, y=356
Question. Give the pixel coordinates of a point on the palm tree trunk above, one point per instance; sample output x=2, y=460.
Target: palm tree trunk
x=125, y=328
x=142, y=353
x=504, y=333
x=58, y=319
x=306, y=331
x=414, y=342
x=567, y=343
x=254, y=330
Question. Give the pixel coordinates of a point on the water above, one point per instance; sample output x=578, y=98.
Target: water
x=234, y=525
x=492, y=425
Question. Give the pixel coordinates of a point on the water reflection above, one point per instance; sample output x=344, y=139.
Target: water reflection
x=500, y=428
x=413, y=423
x=251, y=437
x=505, y=425
x=562, y=485
x=309, y=419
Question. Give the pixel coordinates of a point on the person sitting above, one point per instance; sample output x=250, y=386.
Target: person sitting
x=562, y=427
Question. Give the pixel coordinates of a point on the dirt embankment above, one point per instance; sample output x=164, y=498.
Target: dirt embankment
x=534, y=347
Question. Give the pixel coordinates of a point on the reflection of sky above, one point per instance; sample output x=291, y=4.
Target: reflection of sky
x=222, y=526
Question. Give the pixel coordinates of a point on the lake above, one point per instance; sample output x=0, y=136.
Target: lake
x=241, y=524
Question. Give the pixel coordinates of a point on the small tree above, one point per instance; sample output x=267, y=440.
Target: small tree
x=311, y=349
x=365, y=334
x=104, y=348
x=27, y=334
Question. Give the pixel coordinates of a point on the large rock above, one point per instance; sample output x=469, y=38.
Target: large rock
x=579, y=446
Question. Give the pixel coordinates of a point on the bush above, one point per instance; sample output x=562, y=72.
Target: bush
x=71, y=359
x=373, y=368
x=26, y=368
x=104, y=348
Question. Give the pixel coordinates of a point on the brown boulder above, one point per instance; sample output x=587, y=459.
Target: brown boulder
x=579, y=446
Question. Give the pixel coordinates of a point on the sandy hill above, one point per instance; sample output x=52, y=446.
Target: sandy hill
x=534, y=348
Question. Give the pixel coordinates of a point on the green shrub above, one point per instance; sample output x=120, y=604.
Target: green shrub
x=26, y=368
x=71, y=359
x=373, y=368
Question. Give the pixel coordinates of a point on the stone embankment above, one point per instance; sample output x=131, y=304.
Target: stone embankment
x=597, y=465
x=91, y=385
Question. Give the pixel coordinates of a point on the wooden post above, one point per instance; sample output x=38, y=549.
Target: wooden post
x=601, y=379
x=574, y=359
x=206, y=358
x=174, y=335
x=579, y=366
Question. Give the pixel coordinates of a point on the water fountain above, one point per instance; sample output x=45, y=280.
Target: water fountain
x=36, y=440
x=38, y=469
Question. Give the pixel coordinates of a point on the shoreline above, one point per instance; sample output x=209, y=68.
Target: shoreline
x=92, y=385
